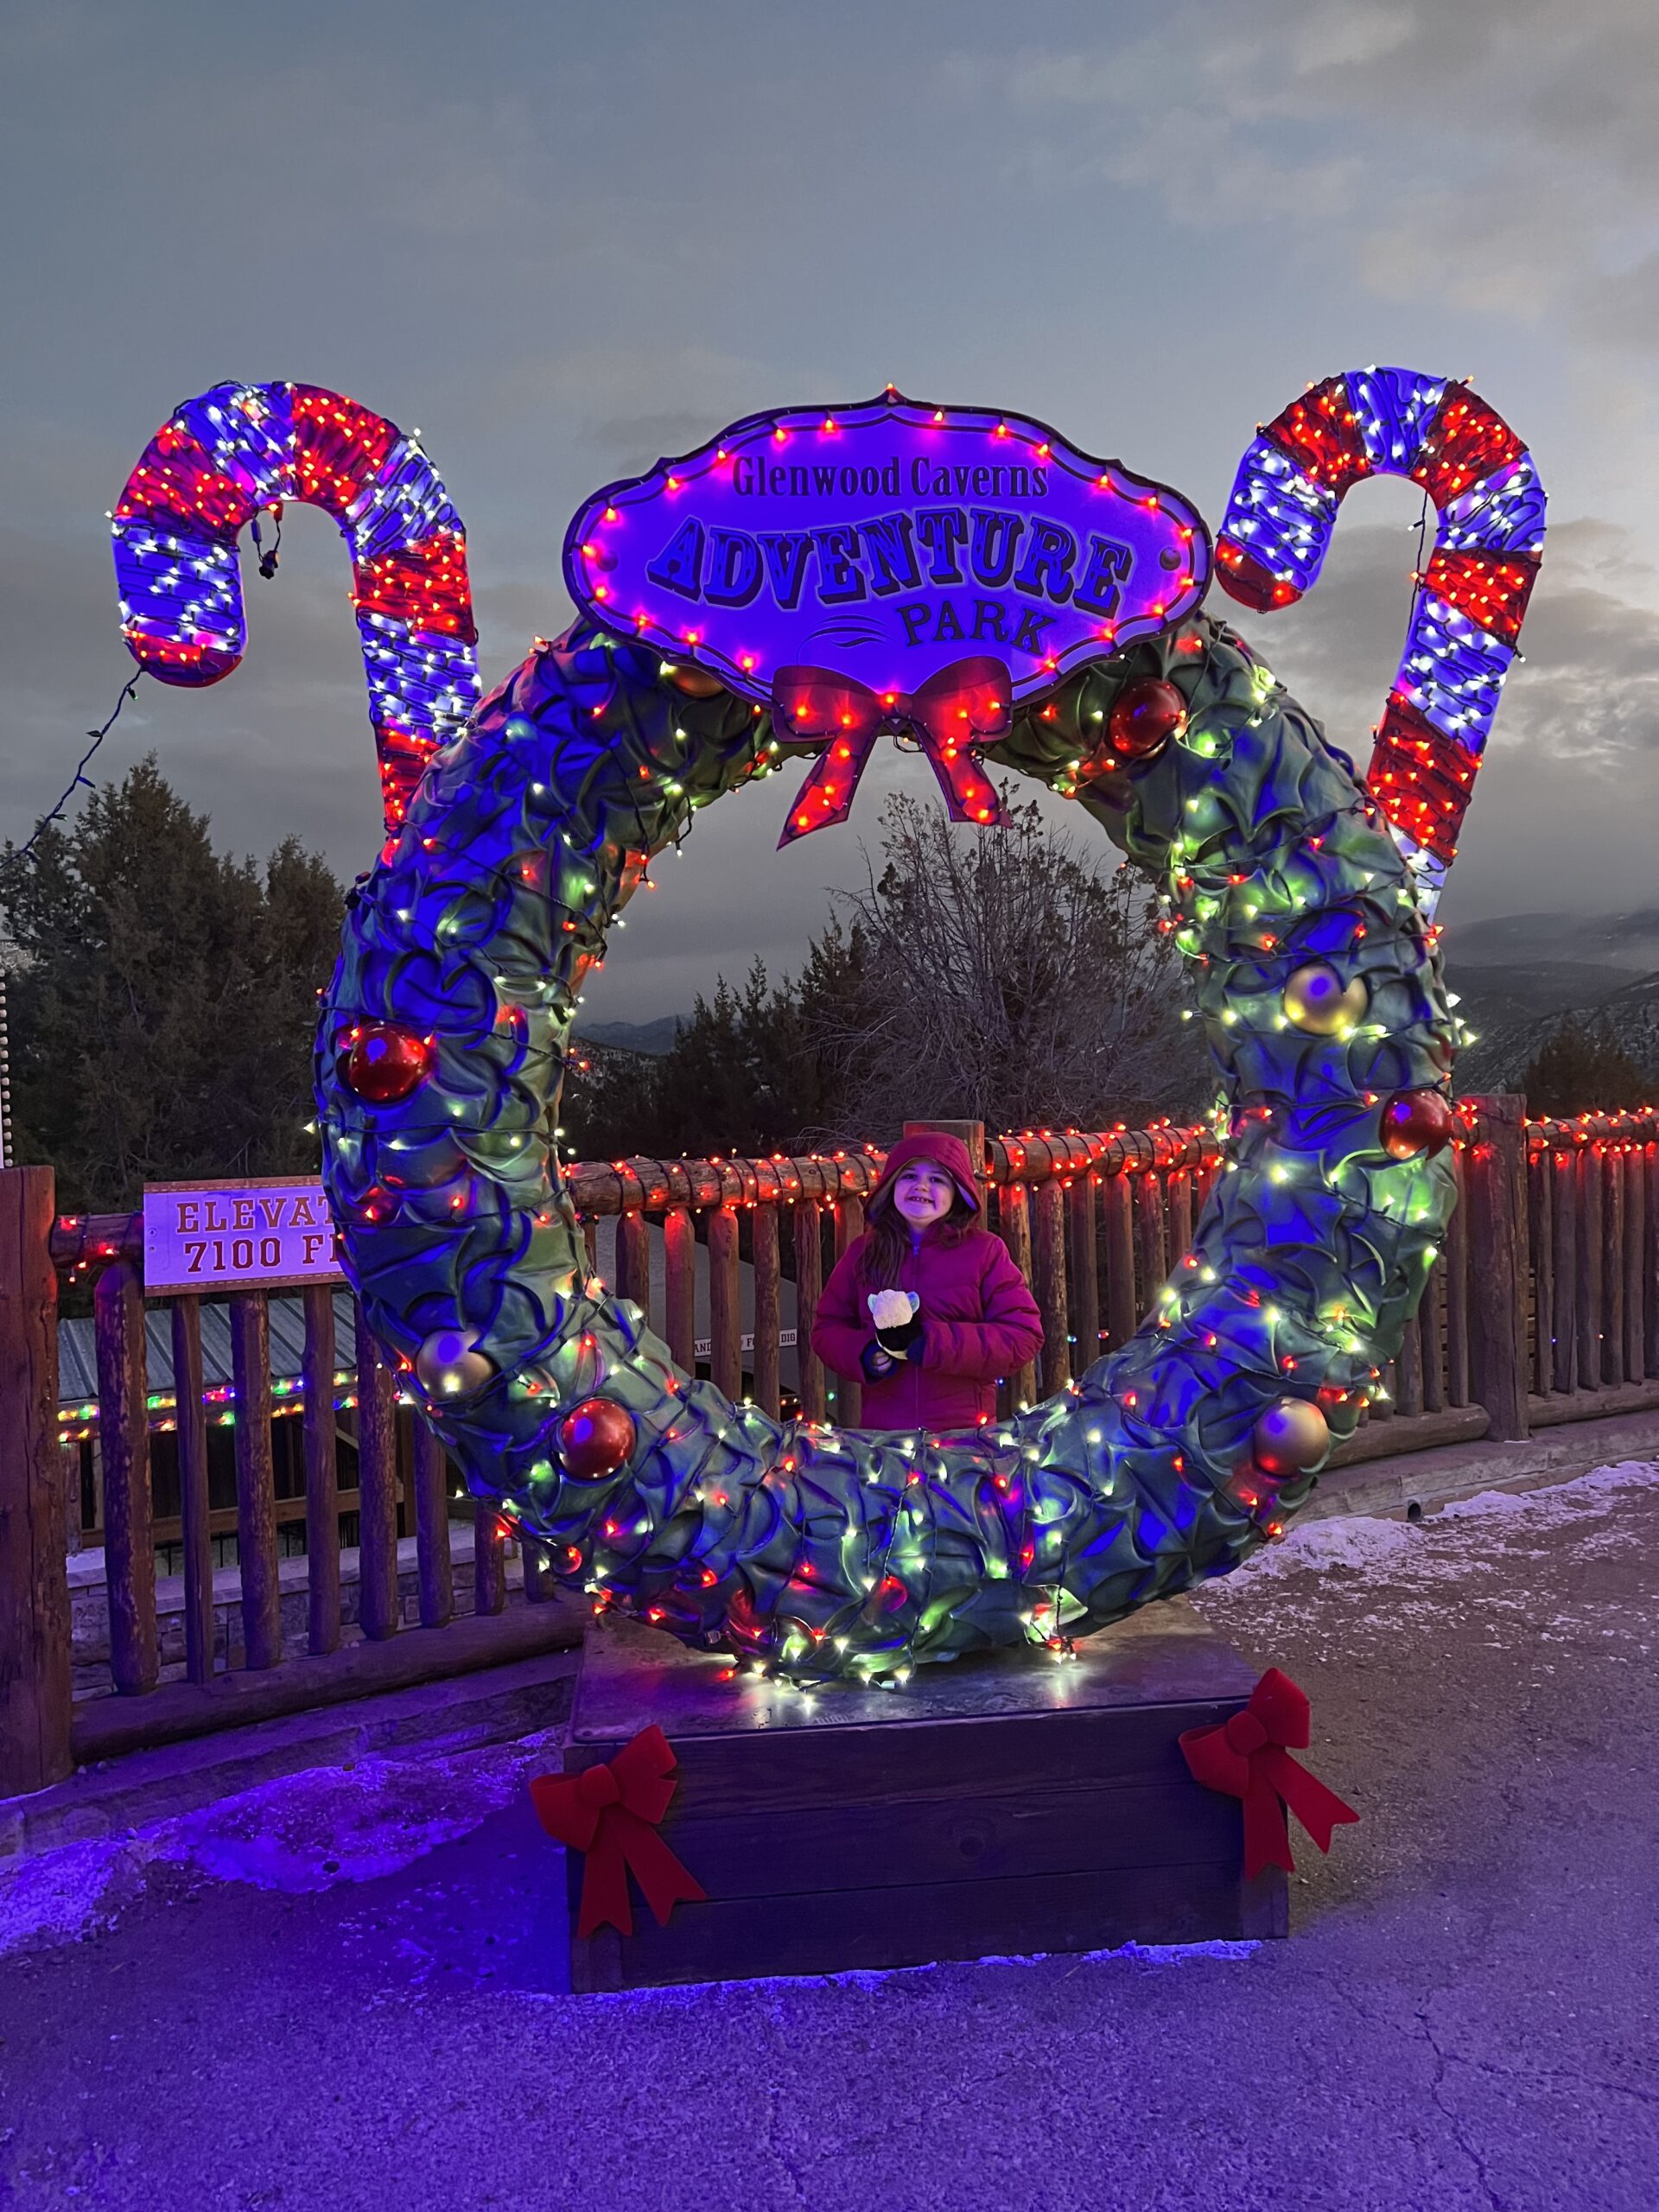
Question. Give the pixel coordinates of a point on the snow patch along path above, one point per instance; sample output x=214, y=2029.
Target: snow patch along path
x=1474, y=1562
x=295, y=1832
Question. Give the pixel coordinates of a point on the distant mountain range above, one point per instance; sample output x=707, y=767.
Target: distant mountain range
x=1520, y=976
x=653, y=1038
x=1630, y=941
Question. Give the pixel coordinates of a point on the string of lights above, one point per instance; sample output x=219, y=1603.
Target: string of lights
x=80, y=778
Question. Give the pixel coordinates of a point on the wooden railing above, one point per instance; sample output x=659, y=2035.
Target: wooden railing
x=1544, y=1309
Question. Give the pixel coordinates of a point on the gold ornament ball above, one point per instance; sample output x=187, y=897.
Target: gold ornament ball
x=1315, y=999
x=1292, y=1438
x=695, y=682
x=450, y=1365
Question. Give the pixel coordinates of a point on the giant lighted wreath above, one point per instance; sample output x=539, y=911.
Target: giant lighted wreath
x=1301, y=899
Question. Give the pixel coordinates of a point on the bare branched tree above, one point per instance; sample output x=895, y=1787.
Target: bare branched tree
x=1011, y=978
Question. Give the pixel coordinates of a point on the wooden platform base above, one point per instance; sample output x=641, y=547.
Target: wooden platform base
x=1011, y=1803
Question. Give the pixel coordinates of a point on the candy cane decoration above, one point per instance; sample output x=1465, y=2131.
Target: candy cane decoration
x=237, y=449
x=1469, y=602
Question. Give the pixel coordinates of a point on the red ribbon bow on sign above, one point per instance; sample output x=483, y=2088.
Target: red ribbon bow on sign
x=970, y=699
x=1249, y=1757
x=611, y=1813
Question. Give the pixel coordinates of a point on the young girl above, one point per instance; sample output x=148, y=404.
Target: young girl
x=926, y=1306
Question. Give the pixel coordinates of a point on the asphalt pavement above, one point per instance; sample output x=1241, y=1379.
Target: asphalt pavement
x=1464, y=2016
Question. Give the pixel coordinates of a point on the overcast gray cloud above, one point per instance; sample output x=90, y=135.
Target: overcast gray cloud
x=565, y=239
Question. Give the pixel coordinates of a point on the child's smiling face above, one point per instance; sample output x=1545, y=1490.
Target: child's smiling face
x=922, y=1193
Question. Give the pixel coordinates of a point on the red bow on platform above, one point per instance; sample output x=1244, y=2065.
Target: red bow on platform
x=611, y=1813
x=970, y=699
x=1249, y=1757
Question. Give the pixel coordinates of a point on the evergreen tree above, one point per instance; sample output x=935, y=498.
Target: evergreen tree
x=757, y=1070
x=1580, y=1069
x=162, y=997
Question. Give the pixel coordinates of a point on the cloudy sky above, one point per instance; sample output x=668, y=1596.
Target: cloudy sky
x=564, y=239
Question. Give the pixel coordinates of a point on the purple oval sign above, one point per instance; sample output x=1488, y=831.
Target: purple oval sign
x=891, y=563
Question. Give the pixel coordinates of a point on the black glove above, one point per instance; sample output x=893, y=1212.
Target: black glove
x=904, y=1342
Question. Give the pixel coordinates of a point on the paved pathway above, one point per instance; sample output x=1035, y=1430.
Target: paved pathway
x=1466, y=2016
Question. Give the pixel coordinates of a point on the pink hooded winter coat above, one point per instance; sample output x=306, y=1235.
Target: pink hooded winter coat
x=979, y=1321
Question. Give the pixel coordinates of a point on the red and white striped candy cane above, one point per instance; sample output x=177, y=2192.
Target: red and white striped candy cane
x=222, y=458
x=1466, y=615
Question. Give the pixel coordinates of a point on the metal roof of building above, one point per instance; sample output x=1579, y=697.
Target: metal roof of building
x=77, y=1354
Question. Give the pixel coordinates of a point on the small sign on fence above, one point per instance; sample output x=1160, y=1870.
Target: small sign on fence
x=271, y=1234
x=703, y=1347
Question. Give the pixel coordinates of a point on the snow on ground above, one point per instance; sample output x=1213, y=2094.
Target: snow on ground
x=297, y=1832
x=63, y=1895
x=324, y=1826
x=1474, y=1561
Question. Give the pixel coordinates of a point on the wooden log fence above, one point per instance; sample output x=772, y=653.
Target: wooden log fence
x=1543, y=1308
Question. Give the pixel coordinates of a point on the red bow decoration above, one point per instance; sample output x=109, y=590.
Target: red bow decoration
x=612, y=1812
x=970, y=699
x=1249, y=1757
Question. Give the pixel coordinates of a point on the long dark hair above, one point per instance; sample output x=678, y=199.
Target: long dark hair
x=888, y=1240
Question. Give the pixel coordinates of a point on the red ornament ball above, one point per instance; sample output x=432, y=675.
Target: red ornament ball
x=1144, y=717
x=386, y=1063
x=1417, y=1121
x=596, y=1438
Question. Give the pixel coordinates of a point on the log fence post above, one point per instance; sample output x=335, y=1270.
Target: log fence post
x=193, y=1506
x=378, y=1606
x=1498, y=1204
x=1014, y=1226
x=1117, y=1203
x=633, y=1260
x=321, y=1472
x=1588, y=1180
x=1049, y=1285
x=808, y=1282
x=430, y=1477
x=489, y=1559
x=1638, y=1290
x=1563, y=1187
x=1086, y=1279
x=1431, y=1316
x=256, y=1483
x=680, y=1287
x=1151, y=1239
x=768, y=1321
x=124, y=1447
x=1409, y=1369
x=35, y=1692
x=725, y=1310
x=1613, y=1265
x=1455, y=1262
x=849, y=1388
x=1541, y=1222
x=1178, y=1197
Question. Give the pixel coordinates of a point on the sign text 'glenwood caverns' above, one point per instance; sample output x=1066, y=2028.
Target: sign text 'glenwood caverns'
x=885, y=542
